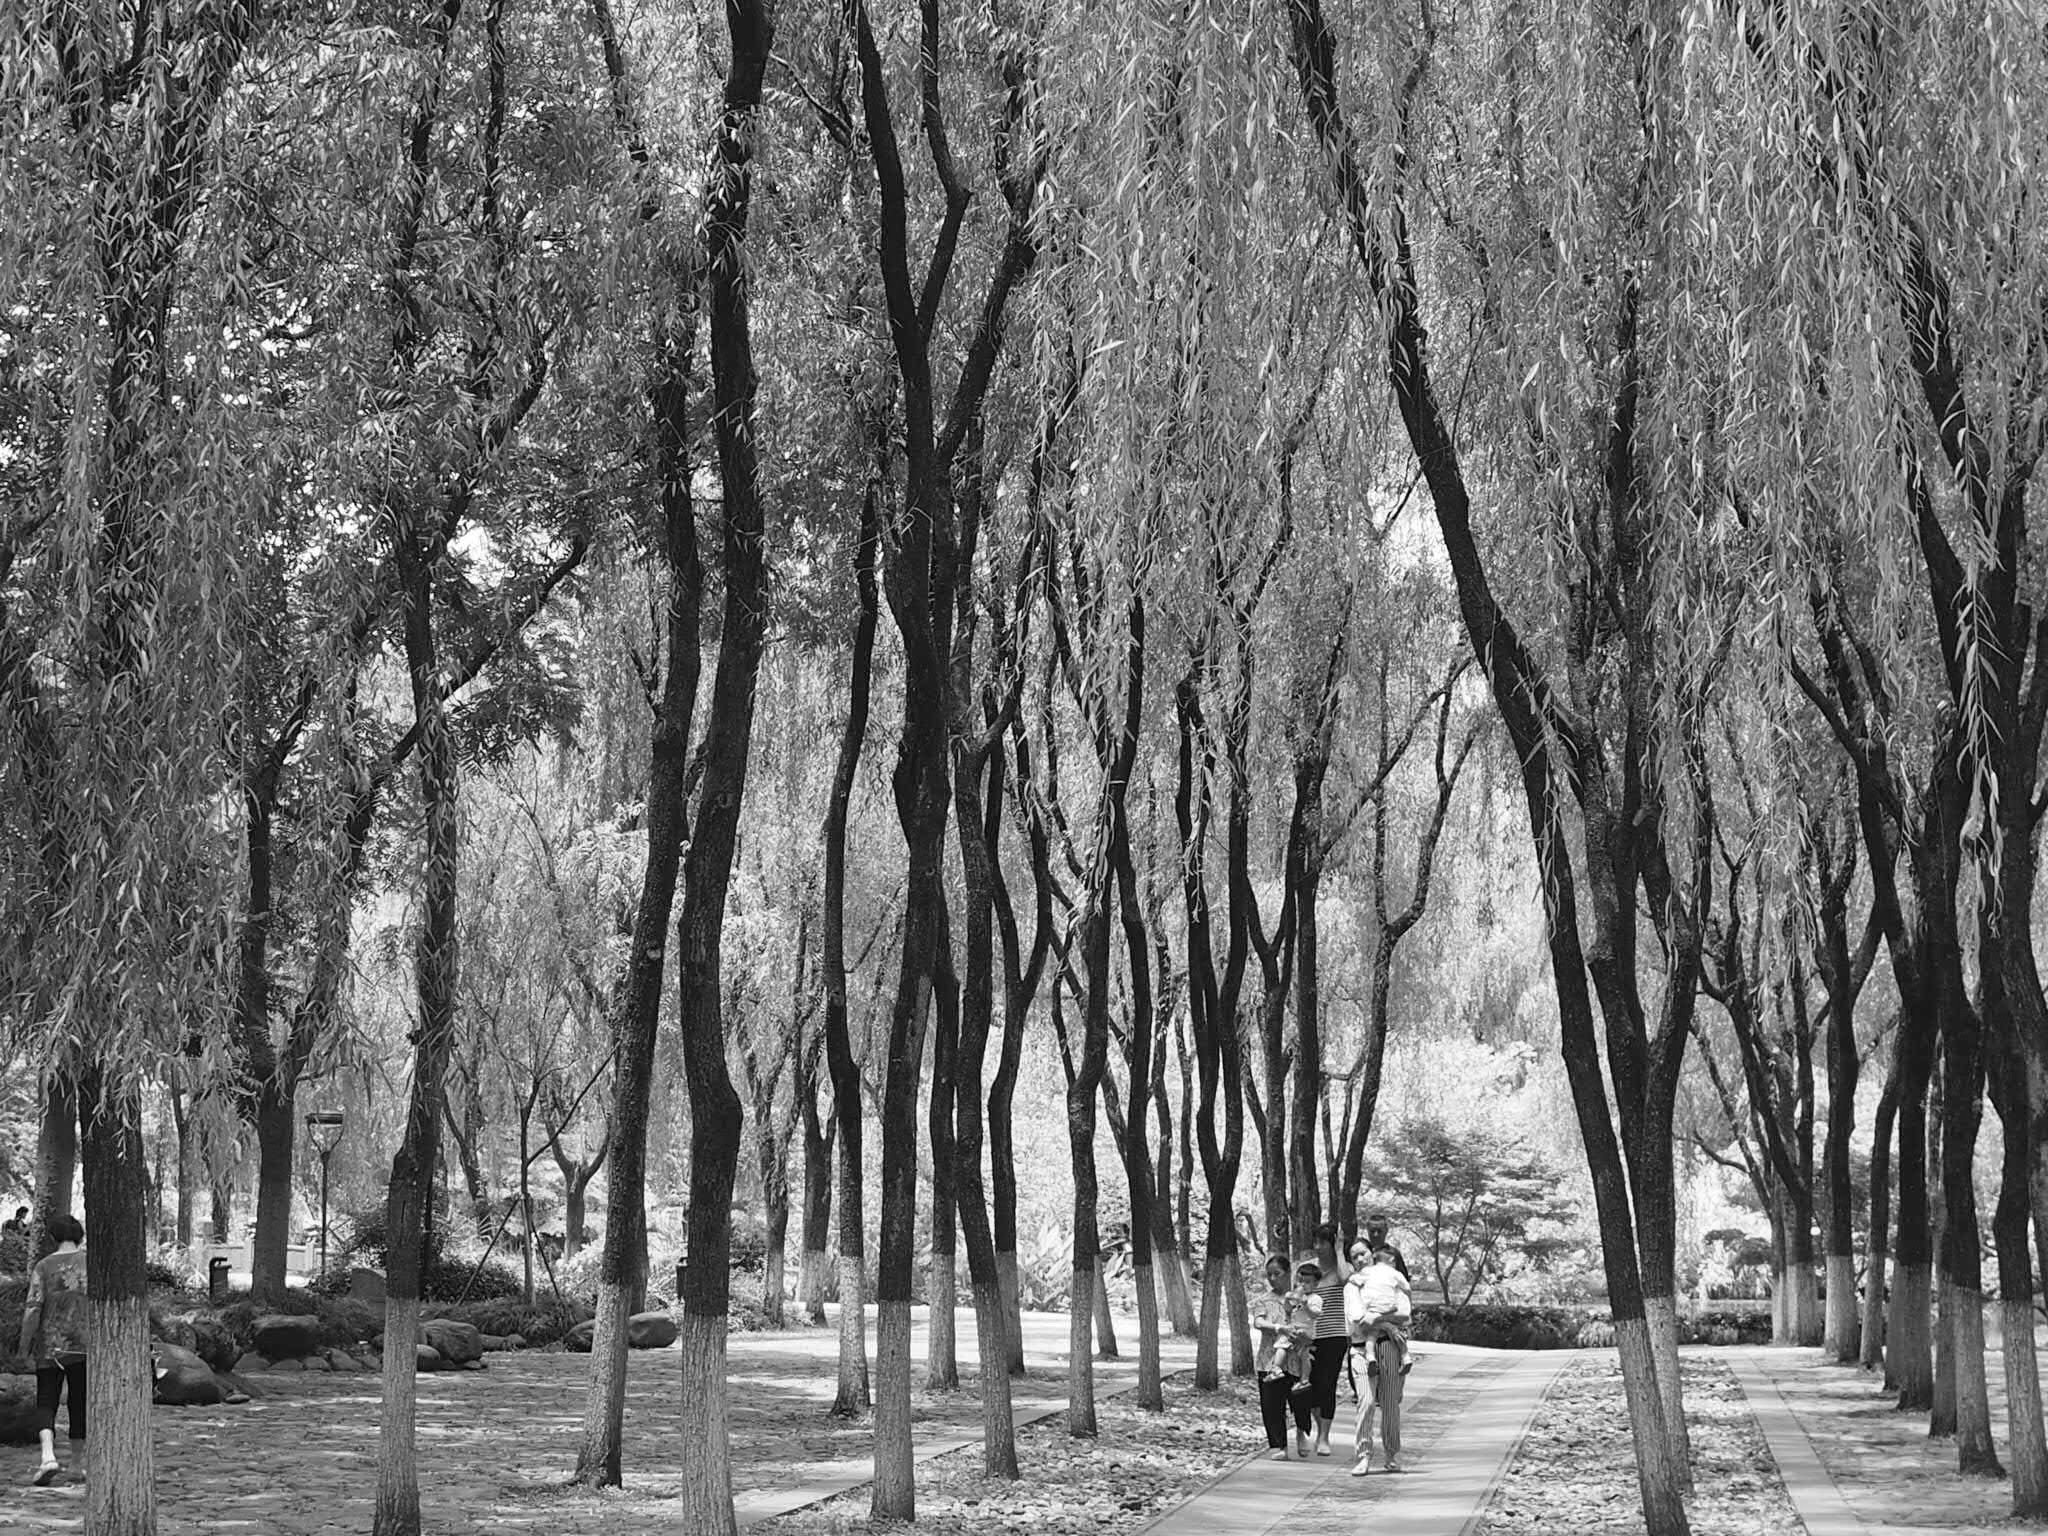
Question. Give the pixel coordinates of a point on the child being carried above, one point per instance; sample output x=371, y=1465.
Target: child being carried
x=1378, y=1303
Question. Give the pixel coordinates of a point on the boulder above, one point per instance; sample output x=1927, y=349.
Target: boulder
x=284, y=1338
x=371, y=1360
x=341, y=1360
x=494, y=1344
x=287, y=1365
x=252, y=1361
x=315, y=1363
x=428, y=1358
x=515, y=1341
x=214, y=1344
x=475, y=1365
x=17, y=1410
x=579, y=1337
x=650, y=1330
x=183, y=1379
x=366, y=1285
x=459, y=1343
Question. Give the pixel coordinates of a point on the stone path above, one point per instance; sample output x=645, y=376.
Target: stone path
x=1465, y=1412
x=1852, y=1463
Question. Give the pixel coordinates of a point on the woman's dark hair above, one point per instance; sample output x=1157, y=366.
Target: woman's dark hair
x=64, y=1229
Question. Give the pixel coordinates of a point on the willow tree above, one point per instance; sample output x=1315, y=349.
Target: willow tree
x=1575, y=290
x=115, y=596
x=1918, y=293
x=920, y=584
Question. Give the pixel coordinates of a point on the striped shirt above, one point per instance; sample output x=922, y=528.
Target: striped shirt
x=1331, y=1324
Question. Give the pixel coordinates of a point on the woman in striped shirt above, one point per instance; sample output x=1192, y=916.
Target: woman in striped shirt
x=1332, y=1340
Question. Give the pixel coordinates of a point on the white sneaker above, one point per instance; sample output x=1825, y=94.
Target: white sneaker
x=1301, y=1445
x=1279, y=1455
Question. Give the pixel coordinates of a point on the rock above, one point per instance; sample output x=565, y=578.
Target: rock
x=428, y=1358
x=474, y=1365
x=17, y=1410
x=459, y=1343
x=366, y=1285
x=494, y=1344
x=650, y=1330
x=370, y=1361
x=314, y=1363
x=215, y=1345
x=579, y=1337
x=244, y=1364
x=236, y=1398
x=341, y=1360
x=515, y=1341
x=287, y=1365
x=183, y=1379
x=284, y=1338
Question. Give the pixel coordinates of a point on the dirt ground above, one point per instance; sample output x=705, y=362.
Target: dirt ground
x=495, y=1445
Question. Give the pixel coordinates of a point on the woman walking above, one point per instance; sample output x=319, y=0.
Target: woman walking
x=53, y=1336
x=1281, y=1365
x=1332, y=1338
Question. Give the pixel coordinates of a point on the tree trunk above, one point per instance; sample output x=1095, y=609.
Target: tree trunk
x=1908, y=1342
x=188, y=1167
x=1144, y=1029
x=276, y=1116
x=978, y=831
x=120, y=1493
x=942, y=1355
x=2016, y=1296
x=622, y=1262
x=1877, y=1245
x=411, y=1186
x=1083, y=1089
x=56, y=1152
x=775, y=1266
x=1962, y=1260
x=852, y=1399
x=705, y=1505
x=814, y=1274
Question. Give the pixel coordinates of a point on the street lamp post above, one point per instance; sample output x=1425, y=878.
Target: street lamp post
x=324, y=1126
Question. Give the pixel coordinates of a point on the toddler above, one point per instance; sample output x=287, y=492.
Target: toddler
x=1378, y=1303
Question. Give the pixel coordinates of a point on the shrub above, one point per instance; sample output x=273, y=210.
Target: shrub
x=446, y=1262
x=542, y=1323
x=1725, y=1328
x=1499, y=1327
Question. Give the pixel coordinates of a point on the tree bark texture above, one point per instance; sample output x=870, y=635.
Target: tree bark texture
x=120, y=1493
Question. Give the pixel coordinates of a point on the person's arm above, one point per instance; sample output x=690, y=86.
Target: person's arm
x=32, y=1312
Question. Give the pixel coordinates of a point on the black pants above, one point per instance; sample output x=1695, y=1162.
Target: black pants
x=1275, y=1399
x=1324, y=1367
x=68, y=1381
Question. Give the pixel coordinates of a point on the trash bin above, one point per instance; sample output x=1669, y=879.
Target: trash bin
x=682, y=1278
x=217, y=1279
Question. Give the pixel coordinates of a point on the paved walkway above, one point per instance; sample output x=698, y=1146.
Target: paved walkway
x=1853, y=1464
x=1465, y=1413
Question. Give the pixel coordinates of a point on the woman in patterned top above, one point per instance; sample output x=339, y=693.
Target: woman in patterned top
x=53, y=1336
